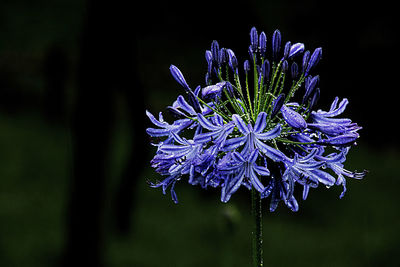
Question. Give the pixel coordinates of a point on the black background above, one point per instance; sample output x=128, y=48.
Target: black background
x=83, y=68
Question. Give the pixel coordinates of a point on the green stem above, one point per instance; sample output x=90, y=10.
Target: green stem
x=244, y=103
x=275, y=71
x=216, y=111
x=238, y=85
x=248, y=96
x=282, y=140
x=261, y=89
x=294, y=88
x=257, y=228
x=234, y=103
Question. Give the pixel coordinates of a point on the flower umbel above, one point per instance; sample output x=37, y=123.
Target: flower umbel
x=249, y=128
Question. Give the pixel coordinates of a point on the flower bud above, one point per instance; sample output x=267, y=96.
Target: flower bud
x=233, y=63
x=286, y=50
x=276, y=44
x=222, y=56
x=207, y=78
x=246, y=66
x=254, y=39
x=306, y=57
x=263, y=44
x=315, y=58
x=293, y=118
x=285, y=66
x=310, y=84
x=210, y=67
x=314, y=98
x=278, y=102
x=294, y=70
x=215, y=51
x=295, y=49
x=251, y=53
x=178, y=76
x=313, y=82
x=341, y=140
x=265, y=69
x=208, y=56
x=307, y=81
x=331, y=129
x=229, y=88
x=214, y=90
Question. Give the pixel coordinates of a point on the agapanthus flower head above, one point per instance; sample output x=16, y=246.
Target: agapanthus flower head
x=231, y=133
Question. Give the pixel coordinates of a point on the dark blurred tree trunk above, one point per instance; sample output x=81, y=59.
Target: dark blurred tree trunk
x=130, y=88
x=107, y=65
x=92, y=123
x=124, y=199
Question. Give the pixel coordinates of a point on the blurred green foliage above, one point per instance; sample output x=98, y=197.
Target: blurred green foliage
x=35, y=163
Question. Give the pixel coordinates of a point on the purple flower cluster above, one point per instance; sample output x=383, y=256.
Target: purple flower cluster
x=226, y=135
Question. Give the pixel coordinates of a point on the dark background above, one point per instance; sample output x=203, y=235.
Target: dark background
x=75, y=80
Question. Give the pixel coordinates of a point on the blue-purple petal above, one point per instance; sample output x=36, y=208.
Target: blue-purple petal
x=157, y=132
x=154, y=120
x=253, y=157
x=234, y=143
x=275, y=132
x=240, y=124
x=206, y=123
x=261, y=122
x=256, y=182
x=232, y=184
x=270, y=152
x=185, y=105
x=263, y=171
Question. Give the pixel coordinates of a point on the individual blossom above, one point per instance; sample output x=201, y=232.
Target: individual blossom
x=241, y=169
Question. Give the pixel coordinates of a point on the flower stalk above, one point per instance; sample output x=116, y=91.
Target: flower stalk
x=257, y=239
